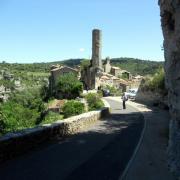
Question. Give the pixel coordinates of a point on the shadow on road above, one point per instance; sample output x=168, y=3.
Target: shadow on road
x=101, y=152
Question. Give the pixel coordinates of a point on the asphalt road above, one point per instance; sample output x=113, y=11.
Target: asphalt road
x=98, y=153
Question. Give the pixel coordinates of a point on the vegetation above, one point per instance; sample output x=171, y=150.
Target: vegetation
x=52, y=117
x=69, y=87
x=156, y=83
x=7, y=84
x=124, y=76
x=72, y=108
x=113, y=90
x=26, y=108
x=23, y=110
x=137, y=66
x=94, y=101
x=85, y=64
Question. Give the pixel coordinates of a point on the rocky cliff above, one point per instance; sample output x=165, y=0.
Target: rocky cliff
x=170, y=20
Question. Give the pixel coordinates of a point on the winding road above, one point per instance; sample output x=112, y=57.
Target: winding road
x=100, y=152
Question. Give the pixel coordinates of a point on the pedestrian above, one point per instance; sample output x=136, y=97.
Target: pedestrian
x=124, y=99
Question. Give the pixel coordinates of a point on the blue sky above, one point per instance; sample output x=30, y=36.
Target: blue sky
x=51, y=30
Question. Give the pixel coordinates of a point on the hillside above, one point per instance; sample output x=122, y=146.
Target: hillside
x=135, y=66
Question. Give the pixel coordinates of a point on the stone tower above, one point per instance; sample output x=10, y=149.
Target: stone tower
x=96, y=48
x=90, y=76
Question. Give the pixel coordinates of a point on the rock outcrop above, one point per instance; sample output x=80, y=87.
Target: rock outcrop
x=170, y=20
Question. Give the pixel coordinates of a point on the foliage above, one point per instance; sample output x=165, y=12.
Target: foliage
x=22, y=110
x=137, y=66
x=52, y=117
x=100, y=93
x=72, y=108
x=124, y=76
x=85, y=64
x=94, y=101
x=113, y=90
x=2, y=123
x=7, y=84
x=156, y=83
x=45, y=92
x=69, y=87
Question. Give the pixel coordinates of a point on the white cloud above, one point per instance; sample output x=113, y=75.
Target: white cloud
x=81, y=49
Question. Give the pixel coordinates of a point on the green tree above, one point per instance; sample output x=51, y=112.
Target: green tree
x=68, y=86
x=23, y=110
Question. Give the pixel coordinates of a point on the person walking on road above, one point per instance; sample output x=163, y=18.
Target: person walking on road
x=124, y=99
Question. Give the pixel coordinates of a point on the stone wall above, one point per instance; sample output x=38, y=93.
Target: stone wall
x=170, y=20
x=148, y=97
x=13, y=144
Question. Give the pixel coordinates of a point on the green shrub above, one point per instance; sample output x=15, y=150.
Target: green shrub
x=52, y=117
x=85, y=64
x=21, y=111
x=94, y=101
x=100, y=93
x=68, y=86
x=2, y=123
x=113, y=90
x=18, y=117
x=72, y=108
x=156, y=83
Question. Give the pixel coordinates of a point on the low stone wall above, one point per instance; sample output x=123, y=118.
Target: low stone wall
x=152, y=98
x=13, y=144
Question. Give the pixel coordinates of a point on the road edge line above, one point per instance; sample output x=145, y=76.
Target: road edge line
x=123, y=176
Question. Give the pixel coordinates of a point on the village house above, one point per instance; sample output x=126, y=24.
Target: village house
x=116, y=71
x=56, y=72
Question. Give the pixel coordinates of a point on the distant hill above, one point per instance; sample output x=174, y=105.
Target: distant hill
x=135, y=66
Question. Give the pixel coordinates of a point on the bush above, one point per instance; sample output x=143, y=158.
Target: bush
x=21, y=111
x=72, y=108
x=156, y=83
x=113, y=90
x=68, y=86
x=94, y=101
x=52, y=117
x=18, y=117
x=85, y=64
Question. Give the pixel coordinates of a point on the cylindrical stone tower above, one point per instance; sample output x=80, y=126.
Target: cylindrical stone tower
x=96, y=48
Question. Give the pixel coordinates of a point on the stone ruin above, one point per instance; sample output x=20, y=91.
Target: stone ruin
x=170, y=20
x=91, y=75
x=97, y=74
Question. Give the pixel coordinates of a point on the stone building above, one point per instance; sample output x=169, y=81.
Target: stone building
x=107, y=65
x=98, y=75
x=90, y=76
x=56, y=72
x=115, y=71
